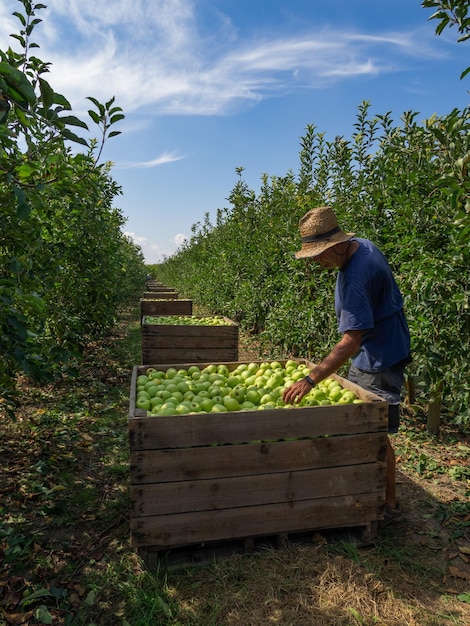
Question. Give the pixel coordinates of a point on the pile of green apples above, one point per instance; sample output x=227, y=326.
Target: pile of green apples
x=188, y=320
x=216, y=389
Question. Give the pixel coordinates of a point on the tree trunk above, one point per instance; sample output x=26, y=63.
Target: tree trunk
x=434, y=409
x=410, y=397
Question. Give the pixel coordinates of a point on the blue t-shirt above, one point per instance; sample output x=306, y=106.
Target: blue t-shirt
x=367, y=298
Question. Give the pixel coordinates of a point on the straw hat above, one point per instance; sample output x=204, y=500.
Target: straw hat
x=319, y=230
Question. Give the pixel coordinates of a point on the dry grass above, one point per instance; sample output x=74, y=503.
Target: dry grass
x=309, y=584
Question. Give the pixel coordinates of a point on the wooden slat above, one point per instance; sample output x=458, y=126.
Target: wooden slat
x=181, y=355
x=204, y=429
x=166, y=307
x=189, y=528
x=256, y=489
x=152, y=466
x=160, y=295
x=204, y=341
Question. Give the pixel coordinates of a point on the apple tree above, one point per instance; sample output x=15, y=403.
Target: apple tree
x=56, y=213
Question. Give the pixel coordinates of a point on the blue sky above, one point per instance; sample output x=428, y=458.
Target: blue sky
x=211, y=85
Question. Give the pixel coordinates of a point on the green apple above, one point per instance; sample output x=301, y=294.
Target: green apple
x=223, y=369
x=206, y=404
x=218, y=408
x=239, y=393
x=335, y=394
x=267, y=398
x=311, y=401
x=232, y=381
x=182, y=409
x=231, y=404
x=143, y=403
x=171, y=387
x=183, y=387
x=156, y=401
x=253, y=396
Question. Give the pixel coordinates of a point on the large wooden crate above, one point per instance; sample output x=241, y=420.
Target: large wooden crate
x=172, y=343
x=170, y=306
x=160, y=295
x=219, y=477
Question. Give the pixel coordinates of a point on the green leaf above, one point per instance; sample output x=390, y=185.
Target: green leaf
x=62, y=100
x=464, y=597
x=20, y=17
x=20, y=39
x=23, y=207
x=73, y=121
x=98, y=105
x=94, y=116
x=67, y=134
x=42, y=614
x=114, y=133
x=464, y=73
x=91, y=598
x=47, y=93
x=18, y=81
x=116, y=118
x=39, y=593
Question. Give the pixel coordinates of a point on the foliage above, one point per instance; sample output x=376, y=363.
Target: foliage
x=451, y=13
x=65, y=266
x=406, y=187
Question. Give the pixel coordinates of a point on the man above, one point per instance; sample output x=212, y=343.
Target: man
x=369, y=309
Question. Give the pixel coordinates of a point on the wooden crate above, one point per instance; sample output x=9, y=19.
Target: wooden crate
x=219, y=477
x=159, y=288
x=170, y=306
x=160, y=295
x=172, y=343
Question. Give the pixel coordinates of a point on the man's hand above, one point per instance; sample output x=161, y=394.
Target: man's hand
x=296, y=391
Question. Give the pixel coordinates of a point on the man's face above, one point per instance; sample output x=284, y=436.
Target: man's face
x=327, y=260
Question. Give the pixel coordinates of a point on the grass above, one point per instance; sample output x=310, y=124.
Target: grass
x=66, y=556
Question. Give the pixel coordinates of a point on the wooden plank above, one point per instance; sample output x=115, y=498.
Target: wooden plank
x=152, y=466
x=189, y=342
x=181, y=355
x=240, y=491
x=250, y=521
x=204, y=429
x=171, y=306
x=160, y=295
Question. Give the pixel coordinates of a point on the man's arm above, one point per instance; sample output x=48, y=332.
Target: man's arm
x=347, y=347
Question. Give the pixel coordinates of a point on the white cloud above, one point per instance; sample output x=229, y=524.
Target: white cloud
x=156, y=57
x=179, y=239
x=155, y=252
x=166, y=157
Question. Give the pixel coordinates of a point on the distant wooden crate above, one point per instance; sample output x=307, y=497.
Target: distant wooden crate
x=159, y=287
x=170, y=306
x=160, y=295
x=172, y=343
x=224, y=476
